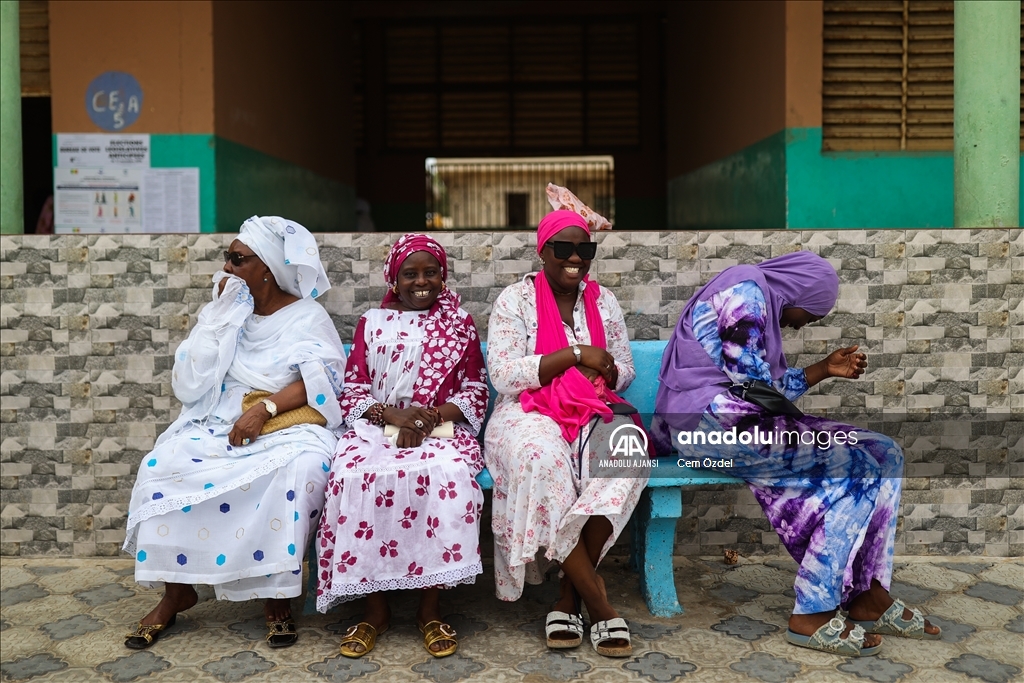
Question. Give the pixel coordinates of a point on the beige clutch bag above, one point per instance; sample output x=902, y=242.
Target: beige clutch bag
x=299, y=416
x=445, y=430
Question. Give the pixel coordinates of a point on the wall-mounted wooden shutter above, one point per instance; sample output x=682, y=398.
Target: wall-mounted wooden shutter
x=35, y=48
x=888, y=75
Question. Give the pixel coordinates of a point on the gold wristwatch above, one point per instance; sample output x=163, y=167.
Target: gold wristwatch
x=271, y=407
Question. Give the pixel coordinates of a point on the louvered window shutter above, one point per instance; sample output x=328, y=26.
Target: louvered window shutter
x=888, y=75
x=34, y=16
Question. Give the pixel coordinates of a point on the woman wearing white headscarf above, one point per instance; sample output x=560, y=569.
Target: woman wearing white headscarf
x=228, y=498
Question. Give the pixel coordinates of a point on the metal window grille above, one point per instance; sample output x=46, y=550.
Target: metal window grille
x=466, y=194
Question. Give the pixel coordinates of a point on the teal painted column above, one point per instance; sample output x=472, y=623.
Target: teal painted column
x=986, y=113
x=12, y=201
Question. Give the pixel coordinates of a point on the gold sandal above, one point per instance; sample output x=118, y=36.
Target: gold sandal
x=363, y=634
x=145, y=635
x=435, y=632
x=281, y=633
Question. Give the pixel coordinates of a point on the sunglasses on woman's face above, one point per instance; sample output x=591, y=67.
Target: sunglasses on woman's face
x=236, y=258
x=563, y=250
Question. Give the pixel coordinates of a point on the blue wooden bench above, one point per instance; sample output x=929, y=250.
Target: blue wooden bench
x=653, y=526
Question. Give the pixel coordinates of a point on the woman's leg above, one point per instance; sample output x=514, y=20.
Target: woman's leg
x=581, y=576
x=178, y=597
x=430, y=610
x=376, y=613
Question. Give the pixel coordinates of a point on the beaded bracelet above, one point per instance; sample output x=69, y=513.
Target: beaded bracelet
x=375, y=414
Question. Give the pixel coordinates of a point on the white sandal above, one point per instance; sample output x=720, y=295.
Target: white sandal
x=611, y=629
x=561, y=622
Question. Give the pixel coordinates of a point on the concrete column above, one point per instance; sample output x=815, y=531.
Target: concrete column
x=12, y=201
x=986, y=113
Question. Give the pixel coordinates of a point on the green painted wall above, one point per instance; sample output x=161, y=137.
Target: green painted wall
x=744, y=190
x=786, y=180
x=865, y=189
x=250, y=183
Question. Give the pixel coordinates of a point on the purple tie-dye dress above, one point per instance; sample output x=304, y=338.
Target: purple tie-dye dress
x=834, y=509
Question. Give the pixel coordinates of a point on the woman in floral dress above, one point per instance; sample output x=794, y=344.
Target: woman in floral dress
x=834, y=502
x=403, y=511
x=557, y=345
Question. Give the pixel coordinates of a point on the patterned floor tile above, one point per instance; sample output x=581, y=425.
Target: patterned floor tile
x=238, y=667
x=970, y=610
x=911, y=594
x=987, y=670
x=650, y=632
x=952, y=631
x=466, y=627
x=745, y=628
x=1006, y=573
x=1000, y=645
x=729, y=592
x=343, y=669
x=77, y=625
x=995, y=592
x=660, y=667
x=133, y=666
x=47, y=570
x=101, y=595
x=251, y=629
x=877, y=669
x=765, y=667
x=932, y=577
x=1015, y=625
x=449, y=669
x=972, y=568
x=555, y=665
x=19, y=594
x=30, y=667
x=760, y=578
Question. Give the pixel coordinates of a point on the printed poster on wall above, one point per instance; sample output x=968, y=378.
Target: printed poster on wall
x=97, y=200
x=99, y=150
x=126, y=200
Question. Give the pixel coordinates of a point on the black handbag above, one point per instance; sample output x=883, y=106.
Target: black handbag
x=765, y=395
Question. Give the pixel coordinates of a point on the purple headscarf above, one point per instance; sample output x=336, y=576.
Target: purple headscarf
x=690, y=380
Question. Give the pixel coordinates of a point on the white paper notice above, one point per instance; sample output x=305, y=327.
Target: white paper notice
x=172, y=199
x=97, y=200
x=95, y=150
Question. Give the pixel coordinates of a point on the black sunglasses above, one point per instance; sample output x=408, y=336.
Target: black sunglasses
x=563, y=250
x=236, y=258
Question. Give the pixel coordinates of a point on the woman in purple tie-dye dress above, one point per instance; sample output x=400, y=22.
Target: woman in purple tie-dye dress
x=832, y=498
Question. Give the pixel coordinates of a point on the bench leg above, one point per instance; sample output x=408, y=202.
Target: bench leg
x=653, y=539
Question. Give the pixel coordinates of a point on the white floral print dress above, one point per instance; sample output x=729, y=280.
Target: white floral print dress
x=399, y=518
x=539, y=501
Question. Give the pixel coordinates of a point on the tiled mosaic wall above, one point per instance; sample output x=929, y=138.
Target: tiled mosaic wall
x=89, y=325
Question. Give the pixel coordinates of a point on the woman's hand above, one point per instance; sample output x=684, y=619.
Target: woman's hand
x=249, y=425
x=409, y=438
x=416, y=420
x=600, y=361
x=846, y=363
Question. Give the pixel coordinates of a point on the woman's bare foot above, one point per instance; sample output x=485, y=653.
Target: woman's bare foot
x=277, y=609
x=430, y=610
x=377, y=613
x=807, y=624
x=873, y=603
x=178, y=597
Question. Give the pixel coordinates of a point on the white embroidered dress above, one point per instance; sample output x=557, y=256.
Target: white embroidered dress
x=400, y=518
x=539, y=501
x=203, y=512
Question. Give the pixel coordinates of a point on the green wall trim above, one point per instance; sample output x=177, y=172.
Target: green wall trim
x=250, y=182
x=744, y=190
x=865, y=189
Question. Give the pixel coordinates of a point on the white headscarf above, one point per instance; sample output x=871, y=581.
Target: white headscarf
x=289, y=250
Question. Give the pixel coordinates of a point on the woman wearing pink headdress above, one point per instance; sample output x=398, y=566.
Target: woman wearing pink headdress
x=557, y=351
x=403, y=511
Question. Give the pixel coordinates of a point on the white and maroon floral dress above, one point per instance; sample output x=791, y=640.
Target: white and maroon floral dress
x=398, y=518
x=539, y=500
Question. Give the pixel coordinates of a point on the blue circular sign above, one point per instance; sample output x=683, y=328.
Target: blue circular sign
x=114, y=100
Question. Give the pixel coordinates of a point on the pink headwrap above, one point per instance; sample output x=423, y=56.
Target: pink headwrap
x=446, y=339
x=570, y=399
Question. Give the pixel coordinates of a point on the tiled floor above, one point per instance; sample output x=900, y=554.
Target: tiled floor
x=64, y=620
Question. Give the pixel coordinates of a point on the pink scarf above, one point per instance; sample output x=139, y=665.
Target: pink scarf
x=445, y=329
x=570, y=399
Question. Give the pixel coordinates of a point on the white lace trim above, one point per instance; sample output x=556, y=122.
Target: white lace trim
x=466, y=407
x=359, y=410
x=354, y=591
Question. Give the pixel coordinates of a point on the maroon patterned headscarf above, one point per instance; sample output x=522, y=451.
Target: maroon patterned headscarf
x=446, y=336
